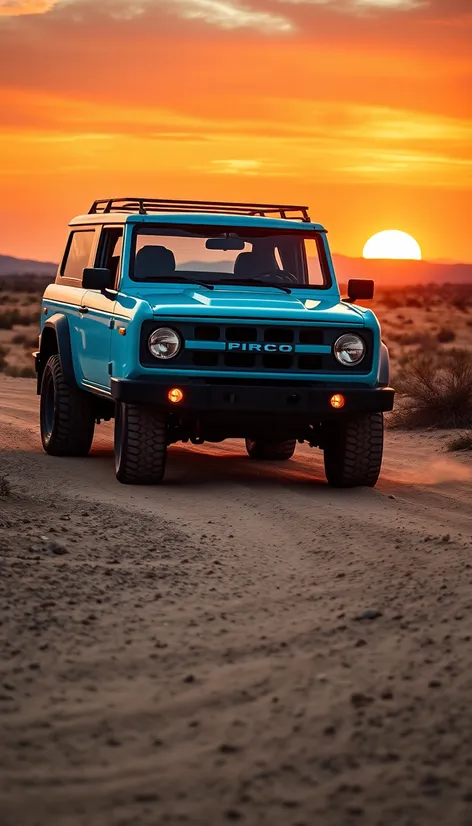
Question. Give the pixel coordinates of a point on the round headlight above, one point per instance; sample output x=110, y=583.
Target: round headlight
x=164, y=343
x=349, y=349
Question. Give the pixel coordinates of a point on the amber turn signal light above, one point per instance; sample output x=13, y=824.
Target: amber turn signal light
x=175, y=395
x=337, y=401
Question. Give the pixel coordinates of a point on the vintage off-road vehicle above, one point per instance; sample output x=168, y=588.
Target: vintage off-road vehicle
x=195, y=321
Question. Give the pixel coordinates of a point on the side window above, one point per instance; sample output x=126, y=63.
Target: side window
x=78, y=254
x=110, y=251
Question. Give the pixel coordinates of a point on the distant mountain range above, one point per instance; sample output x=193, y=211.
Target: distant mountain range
x=384, y=272
x=21, y=266
x=402, y=273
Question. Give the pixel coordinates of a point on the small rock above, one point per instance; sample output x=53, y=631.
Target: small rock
x=360, y=700
x=113, y=741
x=391, y=496
x=360, y=643
x=387, y=694
x=370, y=614
x=57, y=548
x=189, y=678
x=446, y=537
x=228, y=748
x=146, y=797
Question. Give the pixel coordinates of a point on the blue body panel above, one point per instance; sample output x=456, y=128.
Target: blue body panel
x=105, y=338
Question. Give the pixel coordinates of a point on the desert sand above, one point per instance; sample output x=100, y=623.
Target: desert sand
x=242, y=644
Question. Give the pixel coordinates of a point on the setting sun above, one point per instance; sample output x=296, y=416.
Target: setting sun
x=392, y=244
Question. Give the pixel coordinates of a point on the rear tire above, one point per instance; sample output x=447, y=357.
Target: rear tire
x=353, y=451
x=67, y=414
x=140, y=445
x=271, y=451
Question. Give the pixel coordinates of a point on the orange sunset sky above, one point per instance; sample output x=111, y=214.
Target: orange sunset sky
x=360, y=108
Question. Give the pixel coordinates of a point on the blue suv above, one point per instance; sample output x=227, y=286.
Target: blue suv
x=196, y=321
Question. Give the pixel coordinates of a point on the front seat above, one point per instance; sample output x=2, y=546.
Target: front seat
x=245, y=266
x=154, y=262
x=251, y=264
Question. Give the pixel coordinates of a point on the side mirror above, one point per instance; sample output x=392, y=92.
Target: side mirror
x=361, y=288
x=96, y=278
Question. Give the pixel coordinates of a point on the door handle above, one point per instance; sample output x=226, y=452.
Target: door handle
x=83, y=310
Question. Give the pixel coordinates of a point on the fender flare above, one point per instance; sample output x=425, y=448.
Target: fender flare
x=384, y=366
x=60, y=325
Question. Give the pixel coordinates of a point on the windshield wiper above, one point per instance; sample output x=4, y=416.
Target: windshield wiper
x=187, y=281
x=249, y=281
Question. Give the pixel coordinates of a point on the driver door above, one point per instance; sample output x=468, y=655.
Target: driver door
x=97, y=313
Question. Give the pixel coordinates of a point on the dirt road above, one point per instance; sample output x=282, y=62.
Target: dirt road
x=242, y=644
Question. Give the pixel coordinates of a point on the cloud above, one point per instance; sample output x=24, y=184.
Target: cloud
x=353, y=5
x=10, y=8
x=228, y=14
x=225, y=14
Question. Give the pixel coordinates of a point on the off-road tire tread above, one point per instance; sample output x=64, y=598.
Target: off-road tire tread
x=271, y=451
x=75, y=416
x=144, y=452
x=353, y=451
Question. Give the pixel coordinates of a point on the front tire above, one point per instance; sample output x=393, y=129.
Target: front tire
x=353, y=451
x=271, y=451
x=140, y=445
x=67, y=414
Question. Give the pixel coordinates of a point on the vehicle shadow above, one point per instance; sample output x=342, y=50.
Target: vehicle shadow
x=211, y=465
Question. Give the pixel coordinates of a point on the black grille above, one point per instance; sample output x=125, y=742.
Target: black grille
x=252, y=360
x=207, y=332
x=244, y=334
x=311, y=336
x=279, y=335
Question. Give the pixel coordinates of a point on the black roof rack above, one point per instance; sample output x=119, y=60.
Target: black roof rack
x=144, y=206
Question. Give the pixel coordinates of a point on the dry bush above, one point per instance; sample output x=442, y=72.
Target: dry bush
x=20, y=372
x=32, y=284
x=438, y=391
x=10, y=318
x=415, y=337
x=445, y=335
x=462, y=442
x=25, y=339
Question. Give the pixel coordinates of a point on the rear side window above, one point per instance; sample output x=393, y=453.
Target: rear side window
x=78, y=254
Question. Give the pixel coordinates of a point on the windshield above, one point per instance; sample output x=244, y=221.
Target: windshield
x=215, y=255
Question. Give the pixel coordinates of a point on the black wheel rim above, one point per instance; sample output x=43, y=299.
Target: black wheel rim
x=48, y=408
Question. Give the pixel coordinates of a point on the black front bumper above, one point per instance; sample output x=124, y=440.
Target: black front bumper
x=242, y=399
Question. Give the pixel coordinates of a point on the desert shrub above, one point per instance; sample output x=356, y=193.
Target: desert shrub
x=438, y=392
x=445, y=335
x=390, y=301
x=462, y=442
x=7, y=298
x=5, y=489
x=10, y=318
x=3, y=361
x=34, y=284
x=408, y=339
x=25, y=339
x=20, y=372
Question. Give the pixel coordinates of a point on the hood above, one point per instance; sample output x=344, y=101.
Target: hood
x=266, y=303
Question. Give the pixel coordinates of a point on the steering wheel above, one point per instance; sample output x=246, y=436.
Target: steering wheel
x=280, y=275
